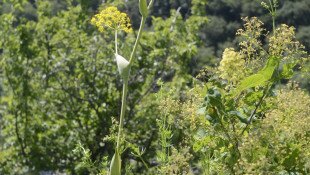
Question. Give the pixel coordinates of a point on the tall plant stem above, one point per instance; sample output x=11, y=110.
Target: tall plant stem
x=123, y=109
x=256, y=108
x=150, y=4
x=273, y=15
x=137, y=40
x=273, y=24
x=116, y=42
x=125, y=82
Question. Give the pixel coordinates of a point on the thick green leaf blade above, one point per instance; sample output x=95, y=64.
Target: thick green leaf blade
x=258, y=79
x=115, y=167
x=251, y=81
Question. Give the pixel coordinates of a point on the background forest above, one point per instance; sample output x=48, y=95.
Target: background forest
x=216, y=88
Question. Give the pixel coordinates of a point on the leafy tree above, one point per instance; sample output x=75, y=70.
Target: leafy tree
x=54, y=77
x=61, y=87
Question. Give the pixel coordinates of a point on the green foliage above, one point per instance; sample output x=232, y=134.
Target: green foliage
x=60, y=92
x=61, y=87
x=281, y=144
x=54, y=74
x=86, y=165
x=262, y=76
x=228, y=121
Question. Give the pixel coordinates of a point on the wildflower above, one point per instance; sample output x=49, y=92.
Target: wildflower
x=232, y=66
x=264, y=4
x=112, y=18
x=284, y=43
x=251, y=45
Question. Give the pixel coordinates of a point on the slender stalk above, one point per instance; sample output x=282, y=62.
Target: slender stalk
x=144, y=163
x=256, y=108
x=273, y=23
x=116, y=42
x=115, y=164
x=125, y=84
x=137, y=40
x=273, y=15
x=150, y=4
x=123, y=110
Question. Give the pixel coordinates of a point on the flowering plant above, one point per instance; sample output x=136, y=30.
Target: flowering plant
x=111, y=18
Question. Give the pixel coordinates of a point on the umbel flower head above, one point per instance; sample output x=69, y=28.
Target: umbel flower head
x=112, y=18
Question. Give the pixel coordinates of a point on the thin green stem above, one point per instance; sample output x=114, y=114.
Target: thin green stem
x=125, y=83
x=273, y=24
x=265, y=93
x=116, y=42
x=150, y=4
x=137, y=40
x=144, y=163
x=123, y=110
x=273, y=15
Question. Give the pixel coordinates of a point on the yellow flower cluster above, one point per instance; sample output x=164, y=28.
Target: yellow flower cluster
x=251, y=44
x=112, y=18
x=283, y=43
x=232, y=66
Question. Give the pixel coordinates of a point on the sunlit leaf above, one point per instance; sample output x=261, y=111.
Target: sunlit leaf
x=258, y=79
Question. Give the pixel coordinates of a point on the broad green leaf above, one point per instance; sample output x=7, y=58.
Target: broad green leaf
x=115, y=167
x=258, y=79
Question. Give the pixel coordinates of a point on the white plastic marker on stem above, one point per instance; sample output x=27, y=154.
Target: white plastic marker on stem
x=123, y=66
